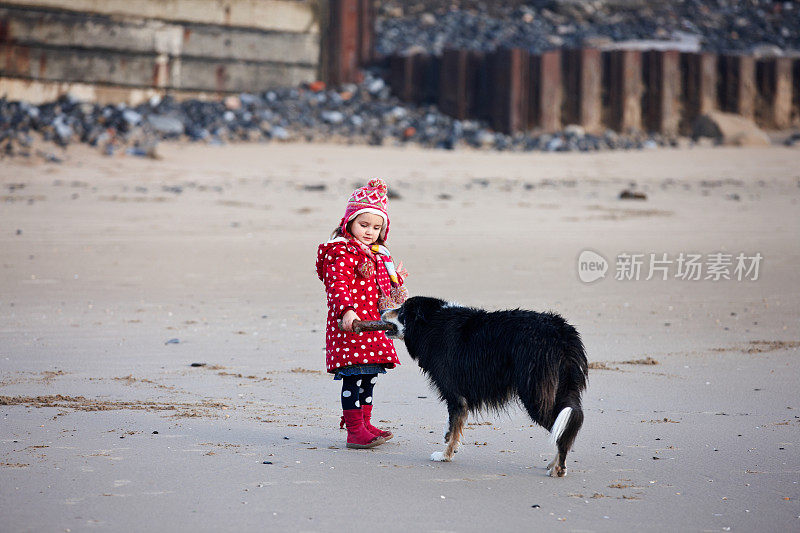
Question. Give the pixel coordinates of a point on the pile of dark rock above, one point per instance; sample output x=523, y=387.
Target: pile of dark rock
x=539, y=25
x=366, y=113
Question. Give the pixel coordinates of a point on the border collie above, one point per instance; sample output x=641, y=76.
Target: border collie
x=482, y=360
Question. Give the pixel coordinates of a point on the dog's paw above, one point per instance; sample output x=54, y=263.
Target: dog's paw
x=439, y=456
x=557, y=471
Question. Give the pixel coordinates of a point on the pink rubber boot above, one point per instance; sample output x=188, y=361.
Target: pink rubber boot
x=357, y=435
x=366, y=410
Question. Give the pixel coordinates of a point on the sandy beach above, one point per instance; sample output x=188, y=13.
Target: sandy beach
x=118, y=273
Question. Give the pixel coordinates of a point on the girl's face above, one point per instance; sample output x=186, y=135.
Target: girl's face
x=366, y=228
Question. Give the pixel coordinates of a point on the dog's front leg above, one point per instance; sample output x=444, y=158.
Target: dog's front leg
x=458, y=417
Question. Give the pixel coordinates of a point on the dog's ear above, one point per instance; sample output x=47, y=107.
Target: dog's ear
x=420, y=313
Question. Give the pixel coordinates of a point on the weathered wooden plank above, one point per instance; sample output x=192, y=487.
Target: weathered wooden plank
x=147, y=70
x=277, y=15
x=39, y=92
x=62, y=64
x=236, y=76
x=66, y=29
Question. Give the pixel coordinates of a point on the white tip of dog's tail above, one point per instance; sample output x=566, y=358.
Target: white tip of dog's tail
x=559, y=426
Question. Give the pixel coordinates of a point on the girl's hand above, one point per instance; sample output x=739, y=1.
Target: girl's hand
x=348, y=318
x=401, y=272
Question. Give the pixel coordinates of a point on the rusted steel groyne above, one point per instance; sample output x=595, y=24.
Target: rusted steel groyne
x=626, y=90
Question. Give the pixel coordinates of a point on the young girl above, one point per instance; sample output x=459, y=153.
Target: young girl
x=361, y=281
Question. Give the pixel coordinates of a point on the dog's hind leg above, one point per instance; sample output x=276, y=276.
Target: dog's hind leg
x=458, y=416
x=562, y=436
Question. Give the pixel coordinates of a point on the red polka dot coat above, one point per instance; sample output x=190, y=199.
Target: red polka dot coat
x=352, y=281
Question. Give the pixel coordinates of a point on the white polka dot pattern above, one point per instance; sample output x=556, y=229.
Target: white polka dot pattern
x=346, y=288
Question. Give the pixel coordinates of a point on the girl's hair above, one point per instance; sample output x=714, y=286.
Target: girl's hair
x=337, y=232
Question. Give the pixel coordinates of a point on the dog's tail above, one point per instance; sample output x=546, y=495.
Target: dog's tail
x=562, y=420
x=572, y=380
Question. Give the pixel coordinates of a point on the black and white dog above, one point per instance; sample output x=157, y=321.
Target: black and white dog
x=482, y=360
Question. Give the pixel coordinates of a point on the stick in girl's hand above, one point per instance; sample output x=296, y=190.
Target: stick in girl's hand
x=360, y=326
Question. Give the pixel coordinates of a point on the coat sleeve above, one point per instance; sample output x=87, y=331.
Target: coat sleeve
x=339, y=274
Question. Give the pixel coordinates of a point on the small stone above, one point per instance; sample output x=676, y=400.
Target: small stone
x=333, y=117
x=427, y=19
x=173, y=341
x=628, y=194
x=233, y=103
x=166, y=126
x=131, y=117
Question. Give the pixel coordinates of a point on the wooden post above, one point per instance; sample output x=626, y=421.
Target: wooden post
x=774, y=92
x=624, y=90
x=662, y=79
x=546, y=92
x=737, y=77
x=582, y=88
x=699, y=87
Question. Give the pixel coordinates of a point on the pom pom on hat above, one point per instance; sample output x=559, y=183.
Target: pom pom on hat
x=369, y=199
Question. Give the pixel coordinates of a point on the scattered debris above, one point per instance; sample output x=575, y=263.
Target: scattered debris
x=646, y=361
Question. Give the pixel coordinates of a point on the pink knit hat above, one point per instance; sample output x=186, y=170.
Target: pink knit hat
x=368, y=199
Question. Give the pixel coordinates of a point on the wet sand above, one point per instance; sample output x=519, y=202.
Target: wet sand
x=116, y=274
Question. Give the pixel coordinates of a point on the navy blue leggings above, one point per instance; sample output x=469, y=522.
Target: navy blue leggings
x=357, y=390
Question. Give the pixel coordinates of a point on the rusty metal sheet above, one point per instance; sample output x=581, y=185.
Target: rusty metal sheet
x=366, y=31
x=453, y=83
x=795, y=91
x=342, y=42
x=401, y=76
x=510, y=71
